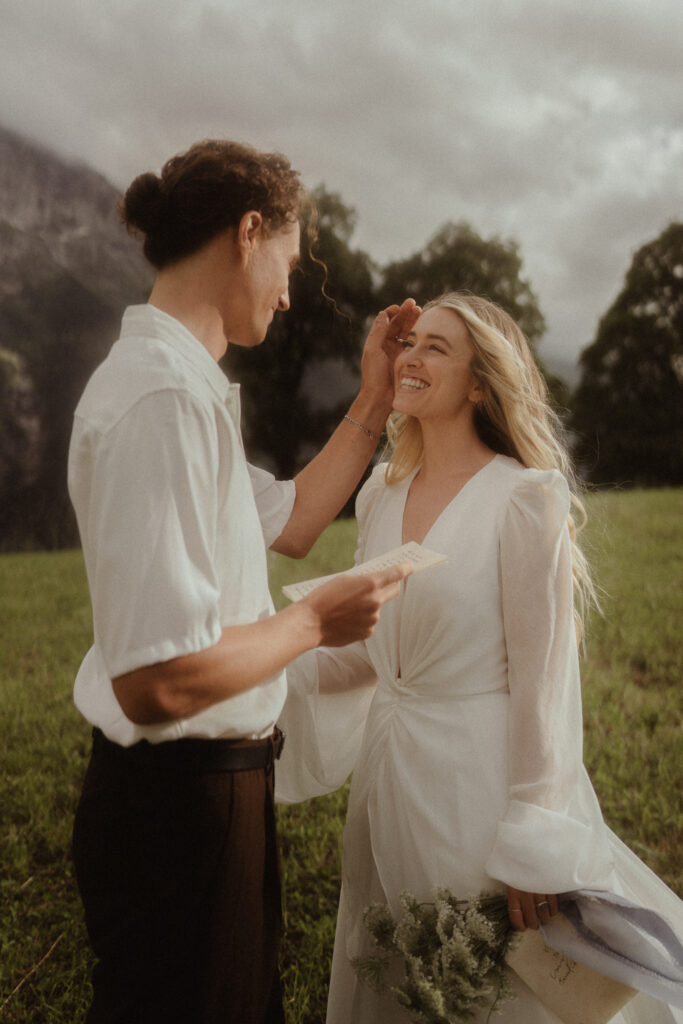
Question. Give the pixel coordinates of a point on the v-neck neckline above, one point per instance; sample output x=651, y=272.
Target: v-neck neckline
x=448, y=504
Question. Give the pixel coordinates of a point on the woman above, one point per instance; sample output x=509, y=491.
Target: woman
x=469, y=774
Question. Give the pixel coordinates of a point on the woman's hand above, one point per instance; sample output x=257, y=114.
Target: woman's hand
x=529, y=909
x=382, y=347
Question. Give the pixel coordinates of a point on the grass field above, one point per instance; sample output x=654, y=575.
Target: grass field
x=632, y=674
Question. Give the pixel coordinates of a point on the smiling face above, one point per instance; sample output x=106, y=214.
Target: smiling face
x=432, y=376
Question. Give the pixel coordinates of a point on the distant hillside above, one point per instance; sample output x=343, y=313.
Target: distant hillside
x=72, y=210
x=67, y=270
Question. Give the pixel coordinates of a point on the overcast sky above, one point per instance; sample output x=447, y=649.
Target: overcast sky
x=556, y=123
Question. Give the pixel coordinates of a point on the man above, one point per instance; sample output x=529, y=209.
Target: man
x=174, y=838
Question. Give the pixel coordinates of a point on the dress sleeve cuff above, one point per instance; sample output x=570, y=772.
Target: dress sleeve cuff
x=543, y=851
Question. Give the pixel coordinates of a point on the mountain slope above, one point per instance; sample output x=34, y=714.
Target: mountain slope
x=67, y=270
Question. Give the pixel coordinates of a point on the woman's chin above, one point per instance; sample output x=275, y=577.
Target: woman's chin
x=404, y=405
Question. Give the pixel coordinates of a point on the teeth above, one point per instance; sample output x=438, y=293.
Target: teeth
x=413, y=382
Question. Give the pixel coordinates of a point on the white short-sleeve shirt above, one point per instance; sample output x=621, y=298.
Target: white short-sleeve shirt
x=173, y=521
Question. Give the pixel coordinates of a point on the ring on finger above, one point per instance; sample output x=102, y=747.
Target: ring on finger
x=543, y=905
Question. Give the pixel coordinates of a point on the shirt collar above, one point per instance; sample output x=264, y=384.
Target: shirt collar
x=149, y=321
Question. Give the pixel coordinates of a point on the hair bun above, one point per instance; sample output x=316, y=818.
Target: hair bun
x=144, y=204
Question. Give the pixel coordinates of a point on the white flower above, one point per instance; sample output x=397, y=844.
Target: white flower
x=452, y=951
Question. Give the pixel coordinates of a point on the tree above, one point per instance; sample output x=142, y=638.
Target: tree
x=628, y=408
x=458, y=259
x=285, y=414
x=19, y=428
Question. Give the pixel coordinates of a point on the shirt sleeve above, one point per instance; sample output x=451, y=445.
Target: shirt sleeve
x=150, y=530
x=550, y=838
x=274, y=502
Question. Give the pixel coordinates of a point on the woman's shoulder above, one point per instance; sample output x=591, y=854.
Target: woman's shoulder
x=534, y=491
x=374, y=485
x=523, y=478
x=373, y=491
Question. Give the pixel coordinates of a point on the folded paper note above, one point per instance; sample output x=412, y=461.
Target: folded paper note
x=574, y=992
x=421, y=558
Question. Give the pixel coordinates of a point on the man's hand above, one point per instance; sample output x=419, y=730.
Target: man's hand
x=382, y=347
x=347, y=608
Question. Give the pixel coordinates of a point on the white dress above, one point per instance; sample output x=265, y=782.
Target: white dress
x=467, y=754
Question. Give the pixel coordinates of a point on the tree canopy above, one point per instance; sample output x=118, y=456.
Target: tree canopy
x=458, y=259
x=628, y=408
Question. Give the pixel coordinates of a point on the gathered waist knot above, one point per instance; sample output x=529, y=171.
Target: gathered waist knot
x=420, y=689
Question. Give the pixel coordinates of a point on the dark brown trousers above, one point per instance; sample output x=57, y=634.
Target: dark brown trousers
x=177, y=866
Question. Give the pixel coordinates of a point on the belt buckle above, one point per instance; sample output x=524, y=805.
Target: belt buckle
x=278, y=742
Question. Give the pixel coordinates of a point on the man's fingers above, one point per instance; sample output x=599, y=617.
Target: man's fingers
x=389, y=312
x=403, y=319
x=348, y=607
x=390, y=579
x=409, y=310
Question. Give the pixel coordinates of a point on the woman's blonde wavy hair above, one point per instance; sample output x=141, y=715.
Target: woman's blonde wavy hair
x=513, y=418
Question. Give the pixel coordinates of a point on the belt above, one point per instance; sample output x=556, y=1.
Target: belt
x=202, y=755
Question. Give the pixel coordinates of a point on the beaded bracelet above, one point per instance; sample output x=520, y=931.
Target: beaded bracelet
x=361, y=427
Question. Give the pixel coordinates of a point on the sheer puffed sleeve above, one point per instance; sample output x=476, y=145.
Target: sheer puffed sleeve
x=551, y=838
x=329, y=692
x=328, y=697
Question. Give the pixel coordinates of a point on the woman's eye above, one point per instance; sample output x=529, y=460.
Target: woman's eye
x=404, y=342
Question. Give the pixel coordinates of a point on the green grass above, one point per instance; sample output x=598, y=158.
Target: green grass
x=632, y=675
x=633, y=672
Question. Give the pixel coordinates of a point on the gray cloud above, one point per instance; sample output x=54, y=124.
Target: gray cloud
x=552, y=123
